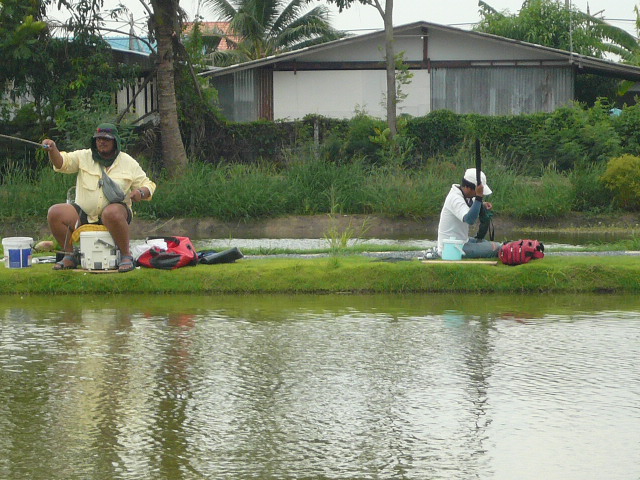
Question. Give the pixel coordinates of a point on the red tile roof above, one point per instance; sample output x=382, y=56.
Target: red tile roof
x=208, y=28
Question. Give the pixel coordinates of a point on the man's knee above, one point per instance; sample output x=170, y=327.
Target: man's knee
x=114, y=212
x=61, y=211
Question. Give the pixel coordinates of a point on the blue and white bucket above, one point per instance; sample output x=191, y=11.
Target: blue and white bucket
x=17, y=252
x=452, y=249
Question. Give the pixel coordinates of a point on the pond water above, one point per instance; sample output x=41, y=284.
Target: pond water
x=320, y=387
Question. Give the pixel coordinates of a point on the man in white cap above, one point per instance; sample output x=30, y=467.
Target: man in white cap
x=461, y=209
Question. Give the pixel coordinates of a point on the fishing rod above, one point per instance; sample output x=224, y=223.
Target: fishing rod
x=478, y=162
x=29, y=142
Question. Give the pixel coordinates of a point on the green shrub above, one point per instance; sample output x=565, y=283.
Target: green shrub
x=357, y=141
x=437, y=132
x=627, y=126
x=572, y=136
x=622, y=177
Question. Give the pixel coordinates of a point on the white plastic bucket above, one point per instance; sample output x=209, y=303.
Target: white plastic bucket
x=17, y=251
x=452, y=249
x=98, y=251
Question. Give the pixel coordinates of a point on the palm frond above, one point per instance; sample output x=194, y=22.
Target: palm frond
x=290, y=13
x=266, y=27
x=221, y=9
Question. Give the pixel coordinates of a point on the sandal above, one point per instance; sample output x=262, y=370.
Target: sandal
x=126, y=264
x=68, y=262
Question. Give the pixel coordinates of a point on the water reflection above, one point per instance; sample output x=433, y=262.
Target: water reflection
x=415, y=386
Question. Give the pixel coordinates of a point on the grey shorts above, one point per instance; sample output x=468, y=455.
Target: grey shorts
x=475, y=248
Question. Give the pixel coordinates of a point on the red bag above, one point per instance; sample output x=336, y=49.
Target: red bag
x=179, y=253
x=520, y=251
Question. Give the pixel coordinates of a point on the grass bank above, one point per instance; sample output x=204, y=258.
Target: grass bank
x=309, y=186
x=349, y=274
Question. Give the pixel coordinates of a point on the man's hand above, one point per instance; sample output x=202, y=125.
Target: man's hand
x=49, y=144
x=487, y=205
x=139, y=194
x=53, y=152
x=479, y=190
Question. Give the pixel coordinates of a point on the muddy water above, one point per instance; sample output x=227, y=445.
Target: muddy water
x=318, y=387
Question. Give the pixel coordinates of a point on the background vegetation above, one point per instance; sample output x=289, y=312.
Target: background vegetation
x=540, y=166
x=581, y=158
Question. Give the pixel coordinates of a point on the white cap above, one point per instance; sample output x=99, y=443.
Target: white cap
x=470, y=176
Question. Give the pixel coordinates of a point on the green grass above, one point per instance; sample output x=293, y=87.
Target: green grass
x=345, y=274
x=304, y=186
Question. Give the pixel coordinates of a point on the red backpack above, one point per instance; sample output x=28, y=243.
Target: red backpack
x=520, y=251
x=179, y=253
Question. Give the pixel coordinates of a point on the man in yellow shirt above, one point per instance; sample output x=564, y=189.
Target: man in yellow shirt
x=95, y=202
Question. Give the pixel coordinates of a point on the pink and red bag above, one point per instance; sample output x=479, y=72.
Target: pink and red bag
x=179, y=253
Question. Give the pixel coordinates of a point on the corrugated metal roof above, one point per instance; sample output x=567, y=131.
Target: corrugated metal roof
x=123, y=43
x=584, y=63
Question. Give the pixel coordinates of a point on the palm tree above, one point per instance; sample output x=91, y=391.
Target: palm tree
x=261, y=28
x=164, y=23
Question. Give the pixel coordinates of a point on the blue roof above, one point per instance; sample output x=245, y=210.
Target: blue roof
x=123, y=43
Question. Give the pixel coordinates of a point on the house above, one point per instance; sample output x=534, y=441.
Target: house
x=125, y=51
x=454, y=69
x=131, y=51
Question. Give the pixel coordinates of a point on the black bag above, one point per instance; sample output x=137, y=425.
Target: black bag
x=211, y=257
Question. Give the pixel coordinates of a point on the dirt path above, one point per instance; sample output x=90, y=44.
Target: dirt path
x=318, y=226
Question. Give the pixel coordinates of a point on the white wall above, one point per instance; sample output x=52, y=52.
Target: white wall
x=371, y=50
x=145, y=102
x=337, y=94
x=447, y=45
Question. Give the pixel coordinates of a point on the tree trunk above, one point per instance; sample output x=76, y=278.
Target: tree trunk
x=166, y=28
x=392, y=120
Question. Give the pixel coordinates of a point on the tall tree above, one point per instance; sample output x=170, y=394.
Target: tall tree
x=549, y=23
x=261, y=28
x=386, y=13
x=165, y=25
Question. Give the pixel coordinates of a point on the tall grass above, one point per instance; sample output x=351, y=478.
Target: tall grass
x=308, y=185
x=26, y=194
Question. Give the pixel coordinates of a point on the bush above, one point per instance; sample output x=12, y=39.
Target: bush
x=572, y=136
x=357, y=141
x=437, y=132
x=627, y=126
x=622, y=177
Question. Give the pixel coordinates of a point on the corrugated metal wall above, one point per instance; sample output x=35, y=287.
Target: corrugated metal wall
x=501, y=90
x=246, y=96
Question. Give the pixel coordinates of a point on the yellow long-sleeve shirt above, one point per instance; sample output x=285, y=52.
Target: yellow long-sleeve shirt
x=125, y=171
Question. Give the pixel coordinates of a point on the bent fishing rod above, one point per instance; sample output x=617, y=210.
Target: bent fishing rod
x=29, y=142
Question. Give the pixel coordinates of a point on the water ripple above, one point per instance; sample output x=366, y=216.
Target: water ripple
x=331, y=392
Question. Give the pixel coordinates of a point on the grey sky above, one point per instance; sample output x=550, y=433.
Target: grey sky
x=460, y=13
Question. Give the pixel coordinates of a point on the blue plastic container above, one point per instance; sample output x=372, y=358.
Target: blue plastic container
x=452, y=249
